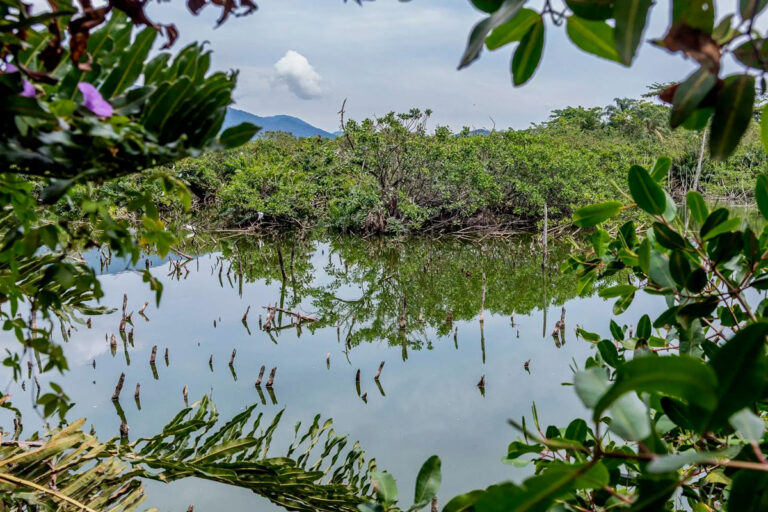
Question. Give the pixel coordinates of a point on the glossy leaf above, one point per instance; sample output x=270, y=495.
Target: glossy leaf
x=661, y=168
x=733, y=113
x=528, y=54
x=513, y=30
x=427, y=482
x=749, y=425
x=130, y=65
x=645, y=191
x=690, y=94
x=238, y=135
x=506, y=11
x=698, y=207
x=682, y=377
x=591, y=9
x=740, y=366
x=595, y=37
x=594, y=214
x=386, y=487
x=631, y=17
x=761, y=194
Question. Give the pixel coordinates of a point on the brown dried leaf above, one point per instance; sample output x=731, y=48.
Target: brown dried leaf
x=694, y=43
x=171, y=32
x=196, y=6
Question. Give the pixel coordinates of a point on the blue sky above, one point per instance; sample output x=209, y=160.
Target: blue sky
x=389, y=55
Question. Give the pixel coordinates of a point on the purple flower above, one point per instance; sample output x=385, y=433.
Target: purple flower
x=93, y=101
x=27, y=90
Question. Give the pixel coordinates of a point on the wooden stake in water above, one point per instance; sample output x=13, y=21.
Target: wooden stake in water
x=482, y=301
x=154, y=355
x=118, y=388
x=271, y=379
x=232, y=359
x=378, y=373
x=261, y=375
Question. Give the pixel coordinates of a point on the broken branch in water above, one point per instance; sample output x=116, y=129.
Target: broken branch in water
x=118, y=388
x=299, y=316
x=261, y=375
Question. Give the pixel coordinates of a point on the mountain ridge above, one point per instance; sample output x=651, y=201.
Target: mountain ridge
x=278, y=123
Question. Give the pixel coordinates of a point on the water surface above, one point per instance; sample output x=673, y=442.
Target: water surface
x=428, y=401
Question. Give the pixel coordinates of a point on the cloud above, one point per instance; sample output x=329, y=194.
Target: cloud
x=295, y=72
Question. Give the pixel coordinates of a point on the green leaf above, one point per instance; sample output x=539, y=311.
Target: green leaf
x=683, y=377
x=629, y=418
x=750, y=8
x=714, y=219
x=661, y=168
x=733, y=113
x=724, y=227
x=764, y=128
x=130, y=65
x=761, y=193
x=463, y=502
x=623, y=303
x=644, y=327
x=697, y=206
x=577, y=430
x=238, y=135
x=513, y=30
x=487, y=5
x=631, y=17
x=528, y=54
x=370, y=507
x=539, y=492
x=679, y=267
x=506, y=11
x=590, y=385
x=740, y=366
x=517, y=449
x=749, y=492
x=427, y=482
x=668, y=237
x=616, y=331
x=595, y=37
x=753, y=54
x=591, y=9
x=386, y=487
x=594, y=214
x=689, y=95
x=670, y=463
x=748, y=424
x=619, y=290
x=609, y=354
x=698, y=14
x=645, y=191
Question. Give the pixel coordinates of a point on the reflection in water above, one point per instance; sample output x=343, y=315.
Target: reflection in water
x=394, y=291
x=415, y=371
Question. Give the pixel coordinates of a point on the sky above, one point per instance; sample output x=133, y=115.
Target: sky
x=304, y=57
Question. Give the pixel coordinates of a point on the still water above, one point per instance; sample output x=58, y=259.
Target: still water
x=359, y=290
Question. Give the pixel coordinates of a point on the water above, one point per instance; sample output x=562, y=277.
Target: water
x=429, y=402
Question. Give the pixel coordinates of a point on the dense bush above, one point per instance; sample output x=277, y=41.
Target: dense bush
x=389, y=175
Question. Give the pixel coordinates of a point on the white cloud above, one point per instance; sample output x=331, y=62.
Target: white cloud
x=295, y=72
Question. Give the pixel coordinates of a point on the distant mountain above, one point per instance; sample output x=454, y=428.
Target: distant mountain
x=288, y=124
